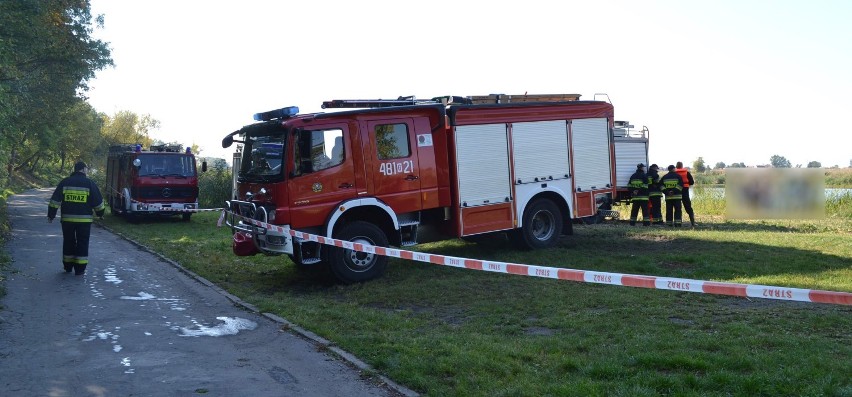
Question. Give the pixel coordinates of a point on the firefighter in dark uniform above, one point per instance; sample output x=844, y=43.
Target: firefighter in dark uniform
x=655, y=195
x=672, y=185
x=77, y=196
x=686, y=177
x=638, y=185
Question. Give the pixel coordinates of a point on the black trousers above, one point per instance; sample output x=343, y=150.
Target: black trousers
x=687, y=203
x=674, y=216
x=634, y=212
x=75, y=245
x=655, y=202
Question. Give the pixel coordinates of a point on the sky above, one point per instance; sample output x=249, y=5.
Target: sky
x=725, y=80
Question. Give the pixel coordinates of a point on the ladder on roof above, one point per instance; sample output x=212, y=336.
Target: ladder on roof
x=448, y=100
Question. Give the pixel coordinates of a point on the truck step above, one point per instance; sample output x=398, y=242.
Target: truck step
x=407, y=243
x=311, y=261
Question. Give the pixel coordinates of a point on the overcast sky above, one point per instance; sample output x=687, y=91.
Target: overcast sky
x=730, y=81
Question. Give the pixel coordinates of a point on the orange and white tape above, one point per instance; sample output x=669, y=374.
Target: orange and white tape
x=583, y=276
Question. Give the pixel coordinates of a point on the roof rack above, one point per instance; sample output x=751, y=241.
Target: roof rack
x=447, y=100
x=504, y=98
x=166, y=148
x=136, y=147
x=375, y=103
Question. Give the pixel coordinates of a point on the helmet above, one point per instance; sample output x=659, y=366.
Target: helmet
x=654, y=166
x=640, y=165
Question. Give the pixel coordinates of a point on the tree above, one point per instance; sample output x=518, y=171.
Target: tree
x=127, y=127
x=47, y=56
x=814, y=164
x=720, y=166
x=698, y=165
x=737, y=165
x=779, y=161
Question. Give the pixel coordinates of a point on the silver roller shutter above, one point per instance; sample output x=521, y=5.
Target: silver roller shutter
x=540, y=150
x=592, y=166
x=483, y=164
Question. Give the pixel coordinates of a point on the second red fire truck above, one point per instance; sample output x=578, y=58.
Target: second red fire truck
x=404, y=171
x=160, y=180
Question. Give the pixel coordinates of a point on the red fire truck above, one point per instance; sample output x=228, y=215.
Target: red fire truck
x=161, y=180
x=404, y=171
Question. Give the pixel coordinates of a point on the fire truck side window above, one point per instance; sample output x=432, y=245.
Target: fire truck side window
x=392, y=141
x=321, y=149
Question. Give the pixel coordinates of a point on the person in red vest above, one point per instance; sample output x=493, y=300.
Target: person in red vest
x=686, y=176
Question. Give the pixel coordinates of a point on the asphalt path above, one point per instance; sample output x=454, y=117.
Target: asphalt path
x=135, y=325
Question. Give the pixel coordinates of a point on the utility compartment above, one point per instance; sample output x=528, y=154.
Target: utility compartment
x=482, y=153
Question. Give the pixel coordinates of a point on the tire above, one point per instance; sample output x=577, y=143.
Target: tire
x=542, y=225
x=186, y=216
x=350, y=266
x=113, y=208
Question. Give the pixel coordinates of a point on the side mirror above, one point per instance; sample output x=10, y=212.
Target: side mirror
x=203, y=166
x=227, y=142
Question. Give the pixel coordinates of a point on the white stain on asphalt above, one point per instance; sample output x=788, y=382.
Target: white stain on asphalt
x=125, y=362
x=110, y=275
x=231, y=326
x=142, y=296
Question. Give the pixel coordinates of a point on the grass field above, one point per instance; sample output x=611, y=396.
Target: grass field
x=453, y=332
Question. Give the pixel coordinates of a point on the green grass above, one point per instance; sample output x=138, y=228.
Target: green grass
x=444, y=331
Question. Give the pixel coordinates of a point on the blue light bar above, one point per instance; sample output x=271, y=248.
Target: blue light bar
x=282, y=113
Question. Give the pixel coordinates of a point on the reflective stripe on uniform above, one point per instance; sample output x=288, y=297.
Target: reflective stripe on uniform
x=76, y=218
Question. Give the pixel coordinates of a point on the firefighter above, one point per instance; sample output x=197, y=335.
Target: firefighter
x=655, y=195
x=77, y=196
x=672, y=186
x=258, y=162
x=686, y=177
x=638, y=184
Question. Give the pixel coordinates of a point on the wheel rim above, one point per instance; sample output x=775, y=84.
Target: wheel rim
x=357, y=261
x=543, y=225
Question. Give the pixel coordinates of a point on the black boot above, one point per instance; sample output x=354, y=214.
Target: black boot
x=68, y=267
x=79, y=269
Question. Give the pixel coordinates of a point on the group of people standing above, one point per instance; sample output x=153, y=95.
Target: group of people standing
x=647, y=191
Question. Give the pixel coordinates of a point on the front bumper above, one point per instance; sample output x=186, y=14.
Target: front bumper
x=252, y=220
x=137, y=207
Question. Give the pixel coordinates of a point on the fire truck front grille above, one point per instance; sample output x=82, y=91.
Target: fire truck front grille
x=165, y=193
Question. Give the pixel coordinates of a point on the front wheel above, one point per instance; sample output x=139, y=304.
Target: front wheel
x=350, y=266
x=542, y=225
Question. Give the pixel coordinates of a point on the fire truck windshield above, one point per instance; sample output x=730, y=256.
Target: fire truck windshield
x=157, y=164
x=263, y=158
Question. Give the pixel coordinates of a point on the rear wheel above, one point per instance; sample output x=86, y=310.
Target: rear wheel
x=542, y=225
x=350, y=266
x=115, y=206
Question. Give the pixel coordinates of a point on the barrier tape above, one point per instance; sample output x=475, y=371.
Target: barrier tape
x=583, y=276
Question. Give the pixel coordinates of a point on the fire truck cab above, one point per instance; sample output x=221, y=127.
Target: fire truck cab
x=400, y=172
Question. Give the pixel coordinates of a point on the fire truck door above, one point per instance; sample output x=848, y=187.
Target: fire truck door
x=393, y=169
x=324, y=174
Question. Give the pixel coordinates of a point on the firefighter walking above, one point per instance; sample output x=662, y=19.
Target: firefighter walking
x=77, y=196
x=638, y=184
x=672, y=186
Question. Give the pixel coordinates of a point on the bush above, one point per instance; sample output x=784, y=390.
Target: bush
x=214, y=187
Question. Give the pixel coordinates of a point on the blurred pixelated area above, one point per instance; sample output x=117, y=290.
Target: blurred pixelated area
x=775, y=193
